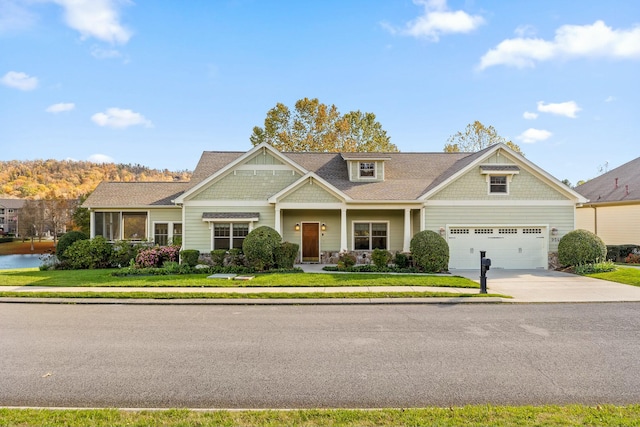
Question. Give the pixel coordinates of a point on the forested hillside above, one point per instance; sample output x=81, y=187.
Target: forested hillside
x=39, y=179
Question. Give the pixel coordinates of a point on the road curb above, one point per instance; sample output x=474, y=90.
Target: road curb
x=251, y=301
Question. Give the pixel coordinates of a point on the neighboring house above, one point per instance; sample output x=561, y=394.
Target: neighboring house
x=493, y=200
x=9, y=209
x=613, y=209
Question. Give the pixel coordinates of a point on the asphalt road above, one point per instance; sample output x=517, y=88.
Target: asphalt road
x=318, y=356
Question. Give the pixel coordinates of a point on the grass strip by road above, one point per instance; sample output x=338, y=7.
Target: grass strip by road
x=234, y=295
x=628, y=276
x=472, y=415
x=91, y=278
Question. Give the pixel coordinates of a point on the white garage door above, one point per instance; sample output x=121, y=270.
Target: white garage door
x=507, y=247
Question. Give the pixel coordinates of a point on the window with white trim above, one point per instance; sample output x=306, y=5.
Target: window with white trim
x=165, y=233
x=368, y=236
x=498, y=184
x=228, y=235
x=367, y=170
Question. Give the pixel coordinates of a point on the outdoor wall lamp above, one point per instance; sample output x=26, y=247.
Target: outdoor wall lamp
x=297, y=227
x=442, y=230
x=554, y=231
x=323, y=227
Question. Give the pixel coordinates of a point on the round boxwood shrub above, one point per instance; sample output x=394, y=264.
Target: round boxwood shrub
x=67, y=240
x=285, y=255
x=581, y=247
x=430, y=252
x=259, y=246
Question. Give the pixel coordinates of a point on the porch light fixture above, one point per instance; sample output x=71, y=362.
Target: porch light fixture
x=442, y=230
x=554, y=231
x=323, y=227
x=297, y=227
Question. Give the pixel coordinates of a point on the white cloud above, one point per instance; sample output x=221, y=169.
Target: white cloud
x=530, y=116
x=14, y=16
x=119, y=118
x=568, y=109
x=99, y=19
x=60, y=107
x=571, y=41
x=532, y=135
x=610, y=99
x=19, y=80
x=100, y=158
x=437, y=20
x=525, y=31
x=100, y=53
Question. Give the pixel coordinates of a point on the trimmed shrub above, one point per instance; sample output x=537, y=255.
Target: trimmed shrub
x=218, y=256
x=285, y=255
x=380, y=258
x=346, y=260
x=88, y=254
x=190, y=257
x=581, y=247
x=430, y=251
x=259, y=246
x=401, y=260
x=67, y=240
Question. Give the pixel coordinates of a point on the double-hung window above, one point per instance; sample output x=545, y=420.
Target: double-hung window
x=228, y=235
x=498, y=184
x=368, y=236
x=367, y=170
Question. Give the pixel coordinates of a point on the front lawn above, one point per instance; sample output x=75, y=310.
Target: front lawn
x=628, y=276
x=90, y=278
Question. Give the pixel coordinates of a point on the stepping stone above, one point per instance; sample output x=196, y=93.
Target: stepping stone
x=243, y=277
x=222, y=276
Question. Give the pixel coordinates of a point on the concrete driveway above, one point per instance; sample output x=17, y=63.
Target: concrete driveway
x=552, y=286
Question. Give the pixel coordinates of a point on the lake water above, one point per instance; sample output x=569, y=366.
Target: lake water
x=8, y=262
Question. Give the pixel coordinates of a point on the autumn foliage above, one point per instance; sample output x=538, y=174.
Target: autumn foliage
x=69, y=179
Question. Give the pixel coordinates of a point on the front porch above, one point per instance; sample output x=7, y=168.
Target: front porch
x=323, y=234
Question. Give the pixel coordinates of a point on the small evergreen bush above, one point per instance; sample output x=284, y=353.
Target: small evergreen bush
x=259, y=246
x=285, y=255
x=380, y=258
x=430, y=252
x=124, y=252
x=190, y=257
x=581, y=247
x=401, y=260
x=218, y=256
x=67, y=240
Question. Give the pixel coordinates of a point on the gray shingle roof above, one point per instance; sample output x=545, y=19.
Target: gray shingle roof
x=603, y=189
x=12, y=203
x=134, y=194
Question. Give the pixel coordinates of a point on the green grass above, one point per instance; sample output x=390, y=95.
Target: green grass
x=74, y=278
x=628, y=276
x=472, y=415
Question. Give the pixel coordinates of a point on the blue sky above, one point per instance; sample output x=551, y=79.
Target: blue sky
x=156, y=82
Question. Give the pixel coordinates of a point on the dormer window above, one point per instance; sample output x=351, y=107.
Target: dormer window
x=367, y=170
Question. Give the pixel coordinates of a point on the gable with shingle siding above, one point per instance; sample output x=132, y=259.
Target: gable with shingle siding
x=310, y=192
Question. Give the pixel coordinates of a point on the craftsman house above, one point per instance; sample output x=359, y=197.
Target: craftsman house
x=494, y=200
x=613, y=210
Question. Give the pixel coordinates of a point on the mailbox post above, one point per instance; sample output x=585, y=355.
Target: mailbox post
x=485, y=264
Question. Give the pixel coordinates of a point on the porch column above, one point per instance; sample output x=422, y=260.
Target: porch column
x=343, y=230
x=407, y=231
x=278, y=219
x=92, y=225
x=422, y=218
